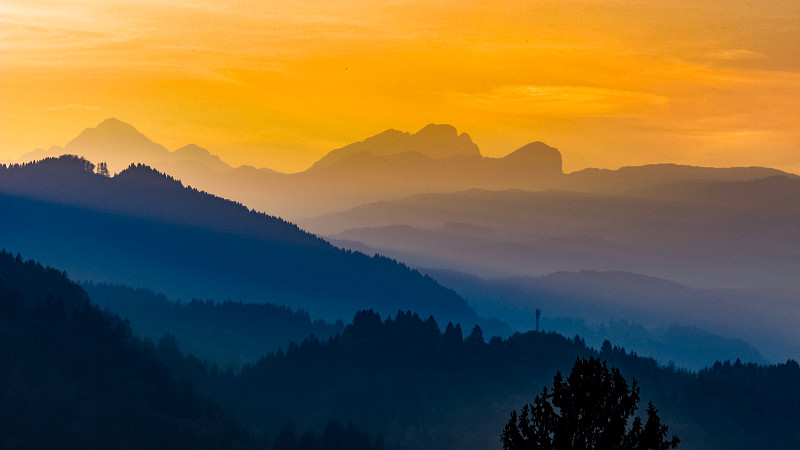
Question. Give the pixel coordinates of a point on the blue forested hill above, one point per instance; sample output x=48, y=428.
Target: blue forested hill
x=74, y=377
x=143, y=228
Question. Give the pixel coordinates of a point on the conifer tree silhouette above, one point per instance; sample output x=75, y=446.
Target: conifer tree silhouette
x=589, y=410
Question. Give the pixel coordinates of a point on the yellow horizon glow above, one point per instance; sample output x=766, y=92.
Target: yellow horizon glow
x=279, y=84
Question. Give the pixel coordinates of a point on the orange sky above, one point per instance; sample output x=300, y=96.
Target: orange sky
x=280, y=83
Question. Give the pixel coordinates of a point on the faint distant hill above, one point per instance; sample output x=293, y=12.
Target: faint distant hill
x=757, y=196
x=631, y=178
x=143, y=228
x=653, y=316
x=737, y=235
x=388, y=166
x=712, y=234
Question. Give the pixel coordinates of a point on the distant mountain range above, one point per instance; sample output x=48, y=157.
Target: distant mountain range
x=145, y=229
x=391, y=164
x=387, y=166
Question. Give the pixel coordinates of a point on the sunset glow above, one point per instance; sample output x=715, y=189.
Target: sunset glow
x=279, y=84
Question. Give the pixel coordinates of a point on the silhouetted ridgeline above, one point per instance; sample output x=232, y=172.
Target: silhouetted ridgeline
x=142, y=228
x=420, y=387
x=142, y=192
x=390, y=165
x=226, y=333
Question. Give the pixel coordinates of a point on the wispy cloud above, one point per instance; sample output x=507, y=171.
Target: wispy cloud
x=737, y=54
x=577, y=100
x=74, y=106
x=614, y=75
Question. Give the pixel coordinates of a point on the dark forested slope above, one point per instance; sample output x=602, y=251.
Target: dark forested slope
x=72, y=376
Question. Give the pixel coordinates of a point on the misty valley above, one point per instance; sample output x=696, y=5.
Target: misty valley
x=404, y=292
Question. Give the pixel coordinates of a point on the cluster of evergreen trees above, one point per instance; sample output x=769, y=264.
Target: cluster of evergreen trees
x=593, y=408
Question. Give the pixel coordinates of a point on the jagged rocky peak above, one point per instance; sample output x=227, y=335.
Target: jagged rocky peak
x=436, y=141
x=443, y=141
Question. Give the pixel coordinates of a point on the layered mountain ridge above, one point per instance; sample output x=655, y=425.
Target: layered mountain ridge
x=388, y=166
x=144, y=228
